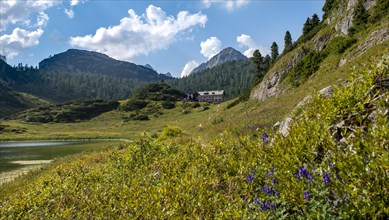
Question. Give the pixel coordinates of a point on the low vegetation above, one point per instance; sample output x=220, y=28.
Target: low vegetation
x=331, y=164
x=69, y=112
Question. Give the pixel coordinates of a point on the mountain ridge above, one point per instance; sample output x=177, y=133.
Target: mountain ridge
x=75, y=60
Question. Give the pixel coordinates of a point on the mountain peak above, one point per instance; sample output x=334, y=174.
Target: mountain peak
x=83, y=61
x=226, y=55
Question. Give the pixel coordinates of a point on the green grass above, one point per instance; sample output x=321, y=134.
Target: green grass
x=232, y=177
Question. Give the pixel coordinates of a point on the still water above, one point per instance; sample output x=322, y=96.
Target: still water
x=19, y=155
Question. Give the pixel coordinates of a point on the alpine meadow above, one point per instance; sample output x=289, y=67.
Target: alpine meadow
x=297, y=129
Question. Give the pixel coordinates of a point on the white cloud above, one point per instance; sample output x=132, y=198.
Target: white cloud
x=245, y=40
x=139, y=35
x=74, y=2
x=189, y=66
x=20, y=12
x=210, y=47
x=69, y=13
x=230, y=5
x=12, y=44
x=42, y=19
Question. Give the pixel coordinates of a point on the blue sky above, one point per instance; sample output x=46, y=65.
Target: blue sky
x=172, y=36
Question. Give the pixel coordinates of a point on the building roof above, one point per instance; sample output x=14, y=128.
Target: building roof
x=217, y=92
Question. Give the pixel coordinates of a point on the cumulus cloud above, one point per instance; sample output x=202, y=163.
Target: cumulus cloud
x=139, y=34
x=74, y=2
x=69, y=13
x=12, y=44
x=210, y=47
x=230, y=5
x=20, y=12
x=42, y=19
x=245, y=40
x=189, y=66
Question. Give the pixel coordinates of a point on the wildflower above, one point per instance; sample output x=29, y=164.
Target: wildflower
x=265, y=138
x=250, y=177
x=256, y=201
x=296, y=175
x=275, y=180
x=309, y=177
x=272, y=206
x=307, y=196
x=277, y=194
x=265, y=205
x=326, y=178
x=303, y=172
x=267, y=174
x=266, y=189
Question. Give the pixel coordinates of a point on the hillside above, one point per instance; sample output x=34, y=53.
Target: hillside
x=234, y=77
x=311, y=172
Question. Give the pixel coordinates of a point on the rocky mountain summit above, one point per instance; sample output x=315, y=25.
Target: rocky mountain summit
x=227, y=54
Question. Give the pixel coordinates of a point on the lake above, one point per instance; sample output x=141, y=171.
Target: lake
x=19, y=157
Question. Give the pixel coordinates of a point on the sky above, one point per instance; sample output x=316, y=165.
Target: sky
x=172, y=36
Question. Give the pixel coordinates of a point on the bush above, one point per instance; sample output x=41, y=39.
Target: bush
x=168, y=104
x=134, y=105
x=340, y=44
x=170, y=132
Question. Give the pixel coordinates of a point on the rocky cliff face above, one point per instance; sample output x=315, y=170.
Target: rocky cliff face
x=269, y=87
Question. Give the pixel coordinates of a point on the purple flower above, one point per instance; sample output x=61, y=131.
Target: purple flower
x=277, y=194
x=267, y=174
x=256, y=201
x=272, y=170
x=265, y=138
x=275, y=180
x=303, y=172
x=326, y=178
x=307, y=196
x=250, y=177
x=266, y=189
x=272, y=206
x=265, y=205
x=296, y=175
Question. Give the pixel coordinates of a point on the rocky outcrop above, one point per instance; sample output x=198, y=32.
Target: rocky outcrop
x=346, y=13
x=269, y=87
x=376, y=37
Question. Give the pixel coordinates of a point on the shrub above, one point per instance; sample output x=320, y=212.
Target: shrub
x=170, y=132
x=134, y=105
x=168, y=104
x=340, y=44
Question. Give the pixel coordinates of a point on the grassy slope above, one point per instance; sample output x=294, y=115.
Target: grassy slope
x=150, y=179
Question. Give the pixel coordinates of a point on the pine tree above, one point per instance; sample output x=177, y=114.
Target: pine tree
x=257, y=60
x=328, y=6
x=288, y=42
x=307, y=26
x=274, y=51
x=360, y=15
x=315, y=20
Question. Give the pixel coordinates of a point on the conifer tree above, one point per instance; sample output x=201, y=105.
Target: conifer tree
x=360, y=15
x=288, y=42
x=274, y=51
x=315, y=20
x=257, y=60
x=307, y=26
